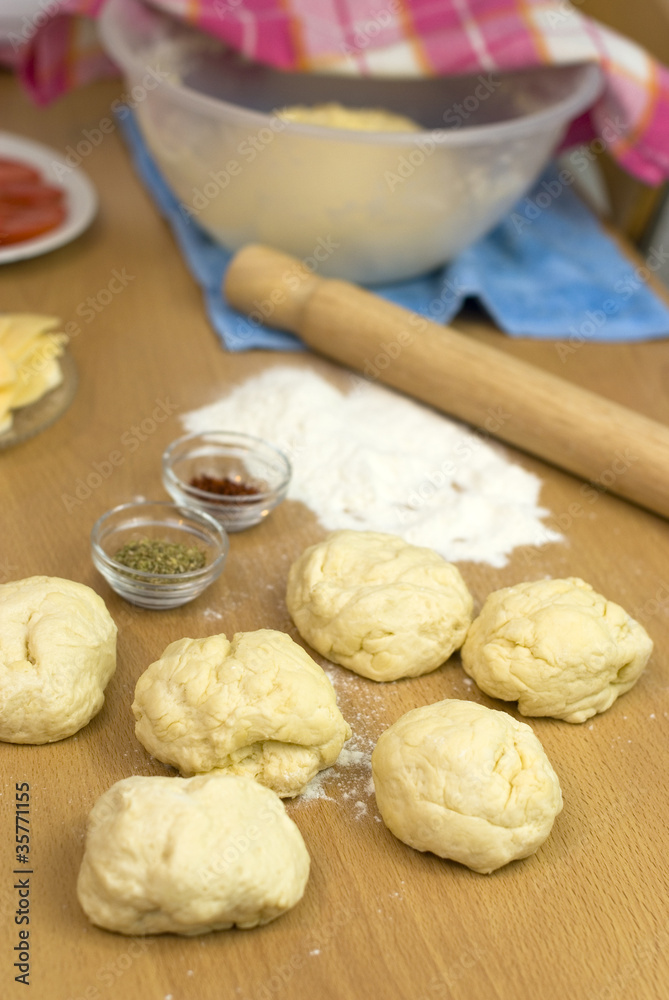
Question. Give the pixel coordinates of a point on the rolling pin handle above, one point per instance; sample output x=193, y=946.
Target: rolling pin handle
x=271, y=283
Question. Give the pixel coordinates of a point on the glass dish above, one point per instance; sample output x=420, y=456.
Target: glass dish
x=30, y=420
x=240, y=458
x=147, y=519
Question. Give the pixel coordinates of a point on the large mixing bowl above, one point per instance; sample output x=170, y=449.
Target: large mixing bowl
x=368, y=206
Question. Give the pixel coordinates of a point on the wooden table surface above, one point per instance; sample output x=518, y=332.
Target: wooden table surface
x=586, y=917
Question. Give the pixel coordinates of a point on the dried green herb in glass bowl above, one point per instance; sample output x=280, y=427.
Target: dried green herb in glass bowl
x=156, y=554
x=159, y=555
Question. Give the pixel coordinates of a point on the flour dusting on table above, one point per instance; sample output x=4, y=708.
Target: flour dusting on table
x=349, y=780
x=373, y=460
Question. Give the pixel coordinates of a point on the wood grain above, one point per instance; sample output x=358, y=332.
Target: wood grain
x=586, y=918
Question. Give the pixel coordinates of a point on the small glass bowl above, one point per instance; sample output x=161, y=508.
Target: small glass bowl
x=144, y=519
x=241, y=458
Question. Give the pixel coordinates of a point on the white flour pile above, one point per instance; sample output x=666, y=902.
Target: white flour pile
x=373, y=460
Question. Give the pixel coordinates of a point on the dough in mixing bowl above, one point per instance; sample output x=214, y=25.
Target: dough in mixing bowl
x=378, y=605
x=335, y=115
x=190, y=855
x=557, y=647
x=467, y=783
x=257, y=705
x=57, y=654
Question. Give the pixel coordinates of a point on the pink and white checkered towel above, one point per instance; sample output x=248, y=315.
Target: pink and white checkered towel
x=397, y=38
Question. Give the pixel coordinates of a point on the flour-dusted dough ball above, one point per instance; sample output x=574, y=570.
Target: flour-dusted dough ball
x=57, y=654
x=257, y=705
x=377, y=605
x=557, y=647
x=466, y=783
x=190, y=855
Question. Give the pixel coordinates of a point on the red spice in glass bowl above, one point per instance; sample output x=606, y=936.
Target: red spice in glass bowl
x=237, y=478
x=223, y=487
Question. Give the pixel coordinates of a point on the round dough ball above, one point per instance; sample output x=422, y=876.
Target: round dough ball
x=258, y=706
x=57, y=654
x=466, y=783
x=377, y=605
x=556, y=647
x=190, y=855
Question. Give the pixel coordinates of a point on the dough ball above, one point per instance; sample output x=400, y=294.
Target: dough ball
x=190, y=855
x=258, y=706
x=57, y=654
x=377, y=605
x=556, y=647
x=334, y=115
x=466, y=783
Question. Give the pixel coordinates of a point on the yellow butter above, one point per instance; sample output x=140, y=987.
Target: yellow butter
x=29, y=366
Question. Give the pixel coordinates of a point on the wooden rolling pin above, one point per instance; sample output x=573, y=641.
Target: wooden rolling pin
x=614, y=448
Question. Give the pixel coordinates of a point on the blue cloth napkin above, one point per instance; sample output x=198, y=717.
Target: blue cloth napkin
x=547, y=271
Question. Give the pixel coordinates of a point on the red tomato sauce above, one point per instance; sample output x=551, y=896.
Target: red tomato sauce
x=29, y=206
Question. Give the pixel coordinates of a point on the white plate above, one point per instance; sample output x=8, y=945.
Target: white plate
x=81, y=197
